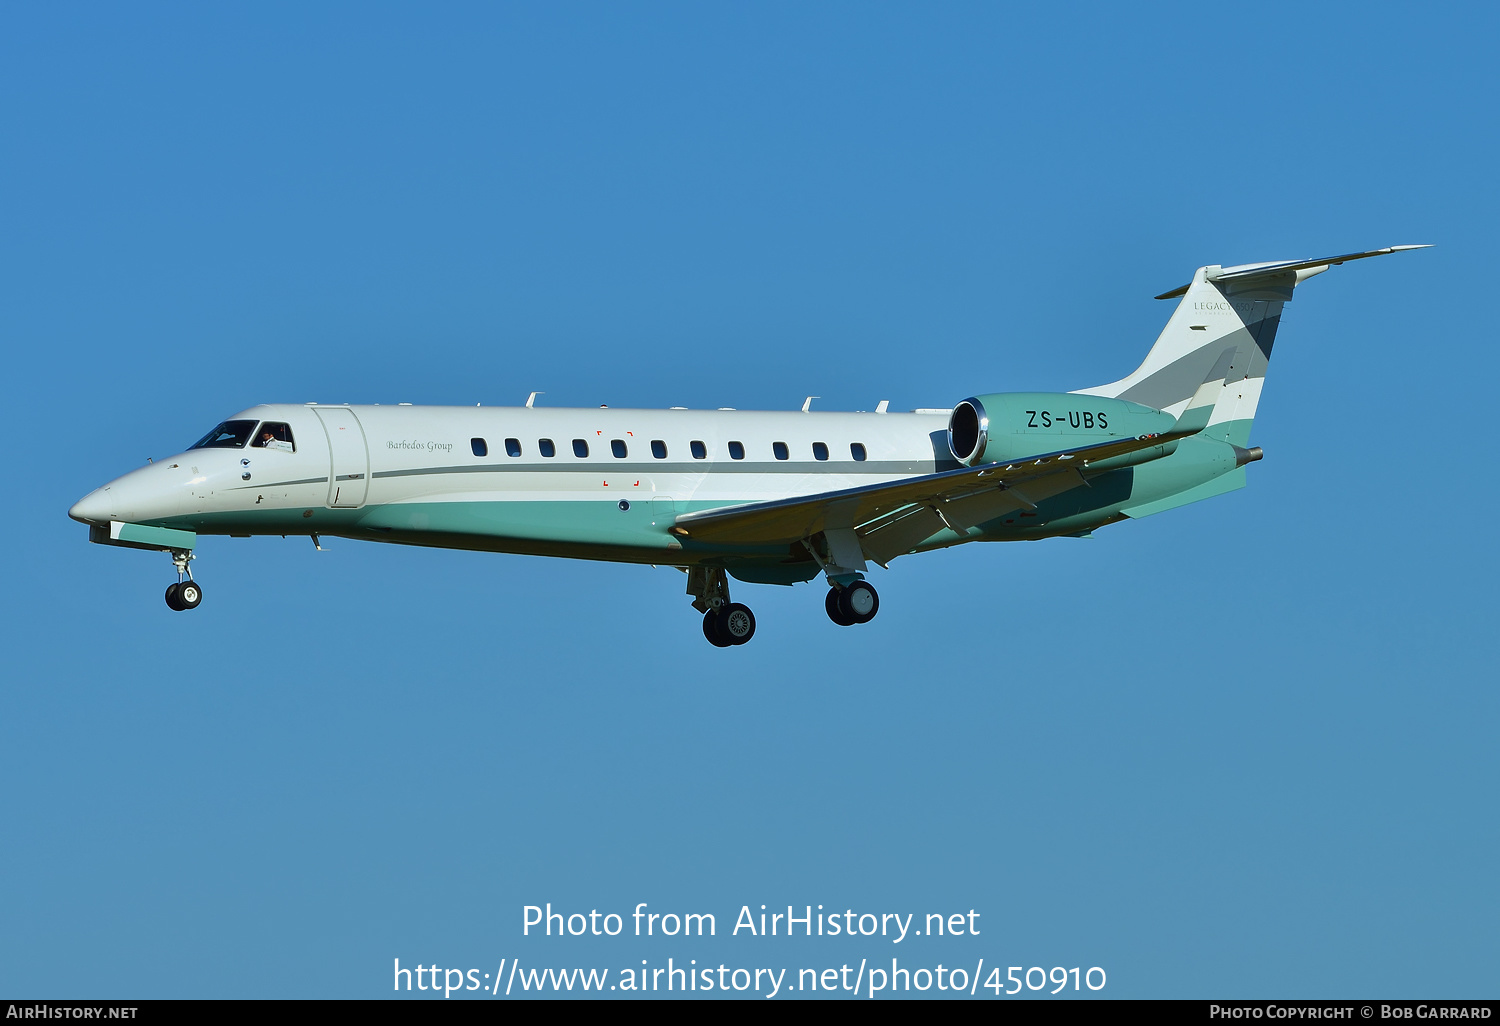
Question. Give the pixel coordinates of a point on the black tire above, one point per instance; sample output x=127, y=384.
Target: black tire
x=859, y=602
x=711, y=630
x=172, y=602
x=835, y=611
x=189, y=595
x=736, y=623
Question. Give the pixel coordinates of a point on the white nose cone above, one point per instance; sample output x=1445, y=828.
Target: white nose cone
x=141, y=496
x=93, y=508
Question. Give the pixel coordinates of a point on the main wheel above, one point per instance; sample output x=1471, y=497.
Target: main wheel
x=172, y=600
x=711, y=630
x=189, y=595
x=859, y=602
x=835, y=611
x=736, y=623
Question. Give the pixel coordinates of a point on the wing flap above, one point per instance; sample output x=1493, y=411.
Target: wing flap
x=872, y=508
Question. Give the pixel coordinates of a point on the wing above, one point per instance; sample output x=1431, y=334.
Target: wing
x=886, y=515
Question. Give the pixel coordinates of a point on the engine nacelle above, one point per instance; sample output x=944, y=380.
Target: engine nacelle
x=1005, y=426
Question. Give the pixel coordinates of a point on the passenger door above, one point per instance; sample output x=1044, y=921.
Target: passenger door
x=349, y=470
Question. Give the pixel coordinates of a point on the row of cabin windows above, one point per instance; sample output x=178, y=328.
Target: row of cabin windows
x=620, y=450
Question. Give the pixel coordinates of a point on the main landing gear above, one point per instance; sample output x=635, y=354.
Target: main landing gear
x=732, y=624
x=725, y=623
x=853, y=603
x=185, y=594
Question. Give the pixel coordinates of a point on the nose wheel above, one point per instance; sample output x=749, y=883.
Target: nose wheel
x=853, y=604
x=186, y=593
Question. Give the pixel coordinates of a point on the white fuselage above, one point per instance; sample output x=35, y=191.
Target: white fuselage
x=480, y=477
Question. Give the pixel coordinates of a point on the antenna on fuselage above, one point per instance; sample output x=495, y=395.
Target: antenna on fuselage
x=532, y=398
x=882, y=406
x=807, y=403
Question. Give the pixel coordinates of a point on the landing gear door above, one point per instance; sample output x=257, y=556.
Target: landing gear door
x=349, y=473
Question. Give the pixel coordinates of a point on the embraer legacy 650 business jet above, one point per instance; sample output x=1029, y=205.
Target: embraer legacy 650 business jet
x=764, y=497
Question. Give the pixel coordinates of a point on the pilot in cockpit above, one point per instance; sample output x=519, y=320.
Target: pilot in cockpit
x=275, y=436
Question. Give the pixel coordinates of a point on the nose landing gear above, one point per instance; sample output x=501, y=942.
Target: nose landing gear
x=185, y=594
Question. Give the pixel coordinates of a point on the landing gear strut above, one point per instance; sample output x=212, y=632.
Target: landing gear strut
x=852, y=604
x=725, y=623
x=838, y=552
x=186, y=593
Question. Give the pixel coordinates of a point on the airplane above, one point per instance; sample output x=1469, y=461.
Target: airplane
x=765, y=497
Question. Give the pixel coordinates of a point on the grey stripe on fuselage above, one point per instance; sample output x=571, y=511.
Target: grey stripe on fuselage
x=880, y=467
x=874, y=467
x=263, y=485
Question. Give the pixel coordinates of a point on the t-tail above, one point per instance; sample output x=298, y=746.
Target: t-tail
x=1210, y=361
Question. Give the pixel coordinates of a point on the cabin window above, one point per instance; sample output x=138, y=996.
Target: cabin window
x=781, y=451
x=546, y=448
x=274, y=436
x=736, y=450
x=580, y=448
x=512, y=447
x=658, y=448
x=820, y=450
x=700, y=451
x=232, y=434
x=479, y=446
x=617, y=446
x=857, y=450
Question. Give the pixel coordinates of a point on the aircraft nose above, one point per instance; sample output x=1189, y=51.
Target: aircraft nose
x=93, y=508
x=141, y=496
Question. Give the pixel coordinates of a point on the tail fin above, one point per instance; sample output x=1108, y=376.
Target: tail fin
x=1200, y=409
x=1225, y=311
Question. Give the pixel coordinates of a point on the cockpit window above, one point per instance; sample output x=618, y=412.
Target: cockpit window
x=232, y=434
x=274, y=436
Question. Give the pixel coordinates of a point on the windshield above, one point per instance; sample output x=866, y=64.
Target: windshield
x=232, y=434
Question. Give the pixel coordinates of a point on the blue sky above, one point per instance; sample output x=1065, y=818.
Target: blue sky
x=1245, y=748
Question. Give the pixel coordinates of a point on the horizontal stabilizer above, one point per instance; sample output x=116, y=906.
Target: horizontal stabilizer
x=1280, y=267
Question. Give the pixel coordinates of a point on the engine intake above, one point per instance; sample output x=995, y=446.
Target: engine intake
x=968, y=431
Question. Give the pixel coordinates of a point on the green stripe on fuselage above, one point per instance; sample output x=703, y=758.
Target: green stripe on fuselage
x=598, y=529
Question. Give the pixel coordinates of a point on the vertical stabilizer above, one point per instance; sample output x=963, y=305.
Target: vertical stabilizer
x=1227, y=315
x=1200, y=408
